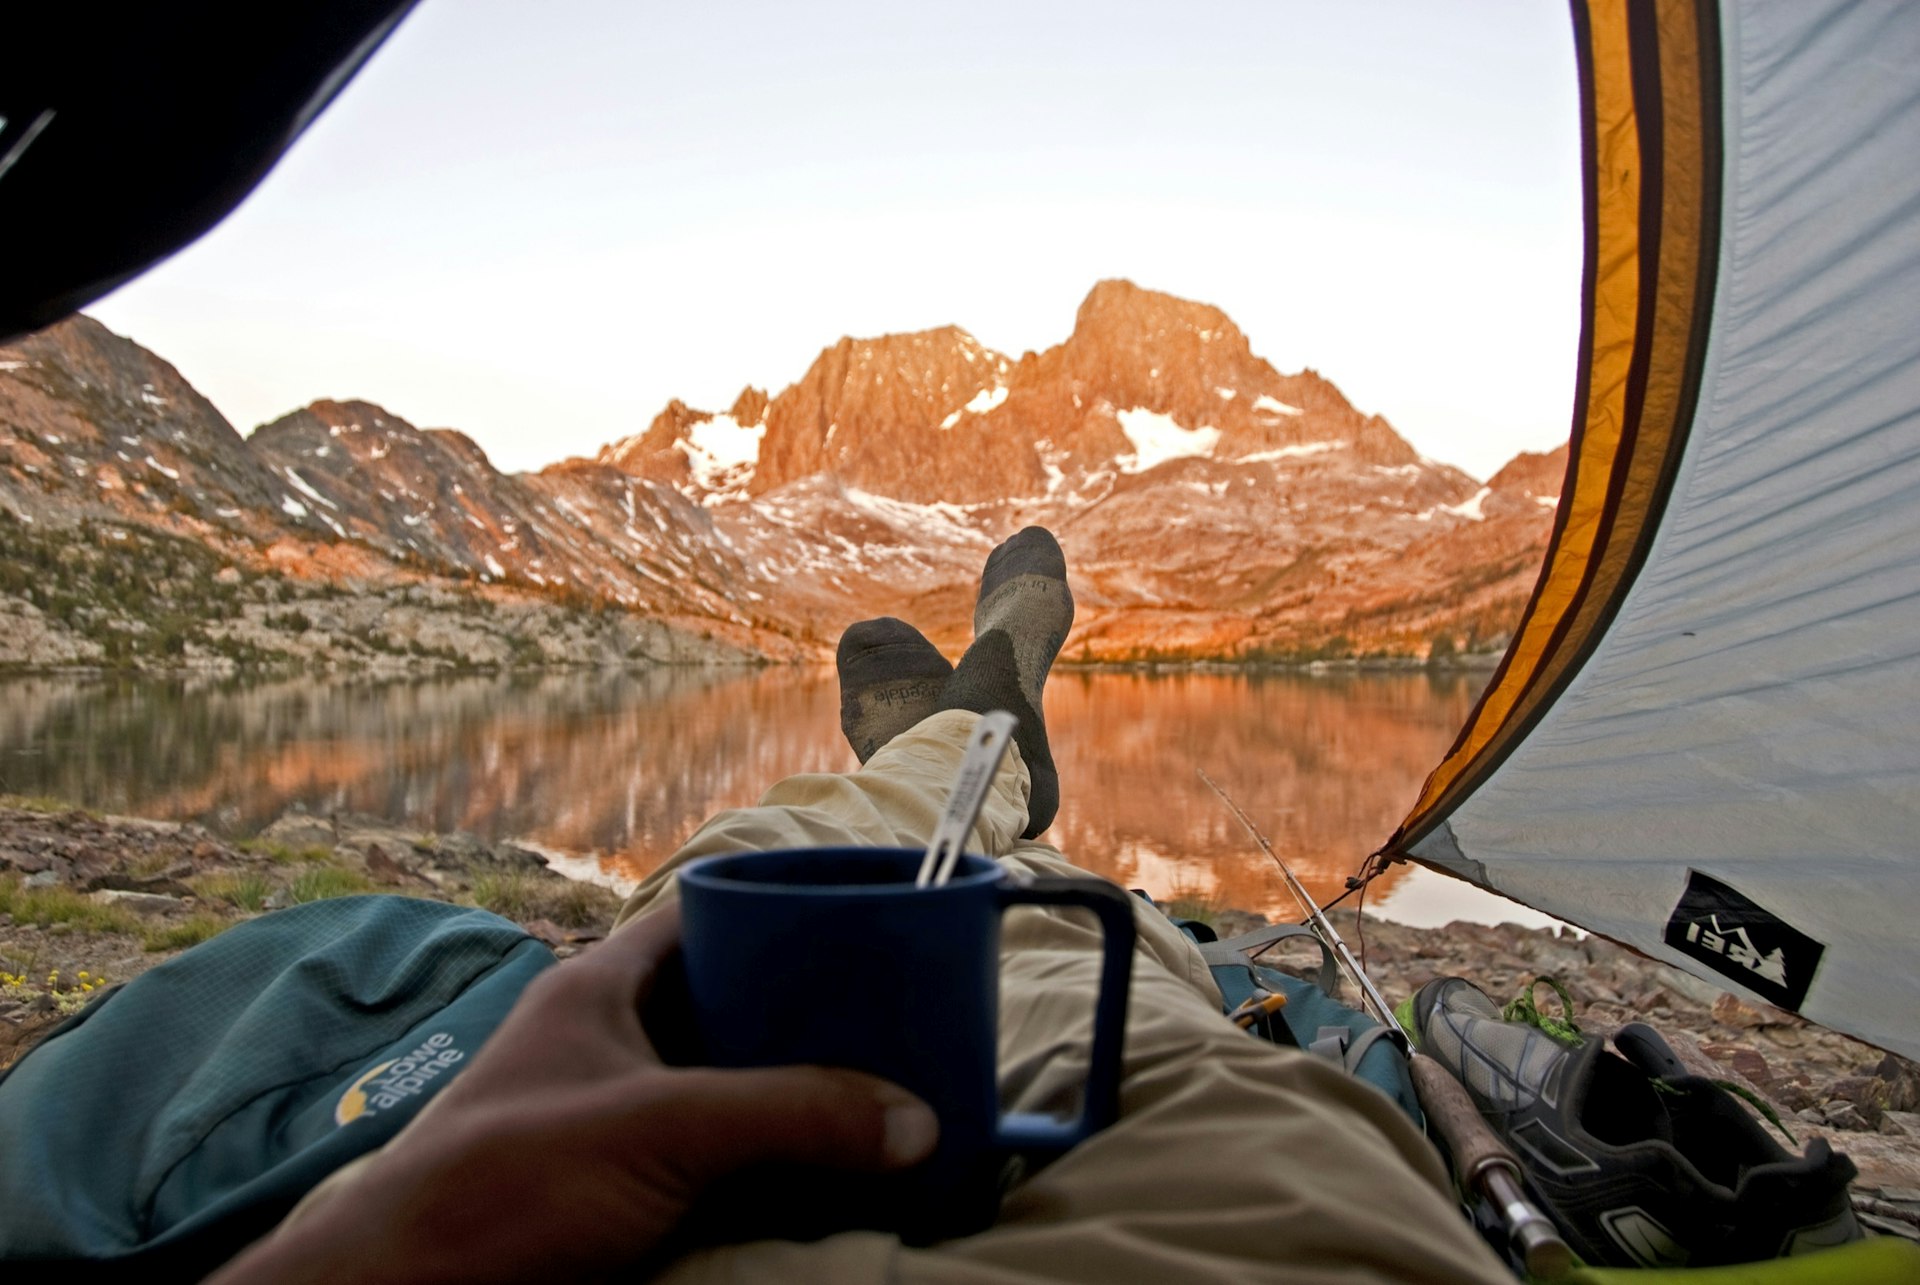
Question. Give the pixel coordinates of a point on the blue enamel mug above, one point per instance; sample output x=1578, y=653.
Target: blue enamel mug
x=832, y=956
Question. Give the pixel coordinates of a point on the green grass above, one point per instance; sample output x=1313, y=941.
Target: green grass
x=248, y=891
x=318, y=883
x=46, y=907
x=190, y=932
x=285, y=854
x=49, y=906
x=149, y=864
x=1203, y=907
x=509, y=894
x=579, y=905
x=520, y=895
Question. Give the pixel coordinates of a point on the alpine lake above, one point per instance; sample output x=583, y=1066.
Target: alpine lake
x=606, y=773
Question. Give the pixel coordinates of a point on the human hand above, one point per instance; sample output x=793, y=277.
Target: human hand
x=567, y=1148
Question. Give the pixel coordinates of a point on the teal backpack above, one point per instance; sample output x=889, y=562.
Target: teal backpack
x=179, y=1117
x=1312, y=1018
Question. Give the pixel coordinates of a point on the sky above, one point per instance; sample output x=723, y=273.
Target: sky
x=537, y=223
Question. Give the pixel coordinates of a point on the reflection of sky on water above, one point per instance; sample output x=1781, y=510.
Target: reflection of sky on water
x=621, y=768
x=1168, y=875
x=1428, y=899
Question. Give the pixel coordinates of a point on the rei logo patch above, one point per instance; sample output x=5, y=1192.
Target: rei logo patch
x=1733, y=935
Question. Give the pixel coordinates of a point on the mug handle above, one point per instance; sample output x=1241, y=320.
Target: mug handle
x=1034, y=1133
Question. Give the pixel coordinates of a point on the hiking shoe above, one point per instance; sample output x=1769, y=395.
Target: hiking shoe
x=1640, y=1163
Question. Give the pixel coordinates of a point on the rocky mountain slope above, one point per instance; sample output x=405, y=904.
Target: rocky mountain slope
x=1212, y=507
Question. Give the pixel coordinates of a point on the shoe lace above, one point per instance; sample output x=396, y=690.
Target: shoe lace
x=1562, y=1027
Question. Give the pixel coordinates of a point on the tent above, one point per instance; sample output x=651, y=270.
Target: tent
x=1702, y=742
x=1697, y=743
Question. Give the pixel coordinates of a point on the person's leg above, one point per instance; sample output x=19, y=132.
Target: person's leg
x=891, y=677
x=1232, y=1160
x=1021, y=618
x=1020, y=622
x=894, y=801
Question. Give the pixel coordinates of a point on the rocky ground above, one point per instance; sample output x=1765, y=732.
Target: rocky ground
x=88, y=902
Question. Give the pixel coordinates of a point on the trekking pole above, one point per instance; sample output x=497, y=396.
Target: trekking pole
x=1481, y=1161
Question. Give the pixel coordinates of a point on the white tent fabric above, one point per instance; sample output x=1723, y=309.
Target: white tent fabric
x=1753, y=712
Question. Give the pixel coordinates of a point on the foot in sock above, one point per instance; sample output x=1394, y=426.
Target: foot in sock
x=891, y=677
x=1020, y=621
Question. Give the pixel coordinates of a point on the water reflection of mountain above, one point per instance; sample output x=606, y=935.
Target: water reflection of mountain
x=1325, y=765
x=627, y=765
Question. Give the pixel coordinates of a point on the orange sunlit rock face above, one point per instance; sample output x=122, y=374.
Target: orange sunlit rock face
x=625, y=767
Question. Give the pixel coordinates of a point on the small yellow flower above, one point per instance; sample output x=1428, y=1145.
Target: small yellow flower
x=84, y=974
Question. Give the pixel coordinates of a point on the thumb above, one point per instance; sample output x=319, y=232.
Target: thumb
x=729, y=1120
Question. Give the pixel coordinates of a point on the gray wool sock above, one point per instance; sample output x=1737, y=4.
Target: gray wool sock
x=891, y=677
x=1020, y=622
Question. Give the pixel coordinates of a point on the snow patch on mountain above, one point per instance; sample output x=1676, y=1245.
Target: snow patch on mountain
x=954, y=523
x=1295, y=451
x=294, y=477
x=1274, y=406
x=983, y=401
x=986, y=399
x=1470, y=509
x=722, y=454
x=1158, y=438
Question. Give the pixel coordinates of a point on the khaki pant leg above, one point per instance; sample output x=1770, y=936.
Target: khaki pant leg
x=1232, y=1160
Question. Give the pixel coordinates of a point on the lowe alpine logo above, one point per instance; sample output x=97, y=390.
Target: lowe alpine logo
x=398, y=1080
x=1737, y=938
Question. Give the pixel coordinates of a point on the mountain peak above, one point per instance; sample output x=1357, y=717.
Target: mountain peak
x=865, y=409
x=750, y=407
x=1118, y=311
x=915, y=355
x=935, y=415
